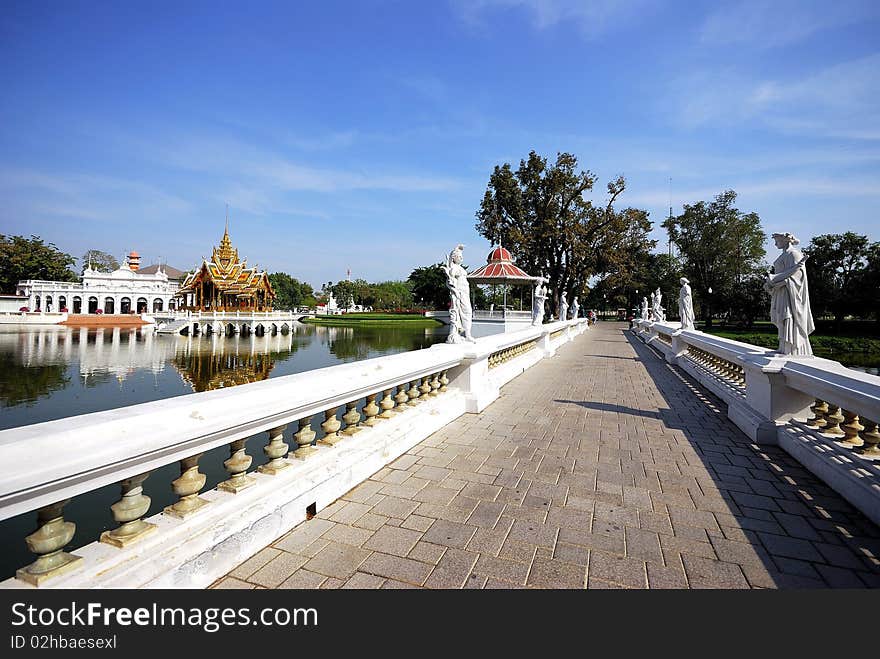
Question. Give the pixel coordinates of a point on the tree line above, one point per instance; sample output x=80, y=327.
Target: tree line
x=542, y=212
x=600, y=251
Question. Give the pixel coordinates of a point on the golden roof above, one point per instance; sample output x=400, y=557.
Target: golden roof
x=228, y=273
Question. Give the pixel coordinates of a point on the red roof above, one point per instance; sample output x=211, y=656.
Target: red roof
x=499, y=254
x=499, y=269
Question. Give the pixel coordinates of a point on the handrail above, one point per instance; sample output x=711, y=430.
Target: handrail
x=61, y=459
x=825, y=415
x=92, y=450
x=831, y=381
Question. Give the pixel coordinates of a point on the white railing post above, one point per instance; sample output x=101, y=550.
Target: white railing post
x=770, y=397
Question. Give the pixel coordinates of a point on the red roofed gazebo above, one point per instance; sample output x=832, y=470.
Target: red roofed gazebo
x=500, y=269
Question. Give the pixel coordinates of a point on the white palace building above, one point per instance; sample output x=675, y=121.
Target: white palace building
x=125, y=290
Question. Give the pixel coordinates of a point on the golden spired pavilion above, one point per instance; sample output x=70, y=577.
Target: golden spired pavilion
x=225, y=284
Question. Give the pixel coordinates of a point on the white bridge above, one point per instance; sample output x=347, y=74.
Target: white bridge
x=325, y=431
x=228, y=322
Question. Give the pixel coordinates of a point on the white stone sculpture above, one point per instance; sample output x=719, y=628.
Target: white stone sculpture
x=657, y=314
x=575, y=308
x=563, y=307
x=645, y=308
x=686, y=305
x=460, y=312
x=539, y=301
x=790, y=297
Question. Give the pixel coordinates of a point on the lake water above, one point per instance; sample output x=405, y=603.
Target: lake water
x=56, y=372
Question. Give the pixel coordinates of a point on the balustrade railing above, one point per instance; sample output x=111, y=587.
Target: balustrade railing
x=299, y=416
x=505, y=355
x=728, y=371
x=821, y=412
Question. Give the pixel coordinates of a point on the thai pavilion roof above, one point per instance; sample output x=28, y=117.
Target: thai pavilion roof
x=500, y=269
x=230, y=275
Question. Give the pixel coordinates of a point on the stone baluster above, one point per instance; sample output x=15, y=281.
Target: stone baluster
x=444, y=382
x=871, y=439
x=304, y=437
x=53, y=534
x=187, y=487
x=331, y=427
x=371, y=411
x=387, y=405
x=352, y=418
x=834, y=418
x=851, y=429
x=435, y=385
x=237, y=465
x=275, y=450
x=819, y=409
x=425, y=389
x=128, y=512
x=414, y=394
x=402, y=399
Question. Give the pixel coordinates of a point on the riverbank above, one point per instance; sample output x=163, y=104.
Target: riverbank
x=374, y=320
x=104, y=320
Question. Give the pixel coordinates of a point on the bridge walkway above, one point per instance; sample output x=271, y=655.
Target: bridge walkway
x=603, y=467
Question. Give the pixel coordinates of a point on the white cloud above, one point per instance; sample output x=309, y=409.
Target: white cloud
x=842, y=100
x=773, y=23
x=593, y=18
x=85, y=196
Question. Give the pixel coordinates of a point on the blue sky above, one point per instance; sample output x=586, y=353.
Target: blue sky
x=361, y=134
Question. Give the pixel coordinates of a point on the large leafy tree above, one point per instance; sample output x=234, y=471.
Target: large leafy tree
x=30, y=258
x=290, y=292
x=869, y=284
x=428, y=286
x=101, y=261
x=542, y=214
x=837, y=267
x=393, y=295
x=720, y=247
x=345, y=292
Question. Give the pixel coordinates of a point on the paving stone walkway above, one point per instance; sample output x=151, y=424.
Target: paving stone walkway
x=602, y=467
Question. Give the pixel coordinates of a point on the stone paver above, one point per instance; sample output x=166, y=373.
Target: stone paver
x=603, y=467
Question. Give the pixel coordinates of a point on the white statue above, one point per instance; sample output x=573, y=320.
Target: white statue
x=460, y=312
x=645, y=308
x=539, y=301
x=657, y=314
x=575, y=308
x=686, y=305
x=790, y=297
x=563, y=307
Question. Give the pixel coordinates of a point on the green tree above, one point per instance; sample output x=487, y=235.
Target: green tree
x=101, y=261
x=345, y=292
x=393, y=295
x=289, y=292
x=869, y=284
x=30, y=258
x=428, y=285
x=541, y=214
x=720, y=247
x=838, y=264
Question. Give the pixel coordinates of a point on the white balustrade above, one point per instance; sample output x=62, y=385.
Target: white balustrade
x=392, y=403
x=817, y=410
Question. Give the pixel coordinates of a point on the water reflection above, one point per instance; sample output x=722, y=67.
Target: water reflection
x=53, y=372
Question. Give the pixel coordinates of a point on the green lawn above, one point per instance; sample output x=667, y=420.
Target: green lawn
x=826, y=344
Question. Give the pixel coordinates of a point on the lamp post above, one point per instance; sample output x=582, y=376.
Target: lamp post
x=708, y=308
